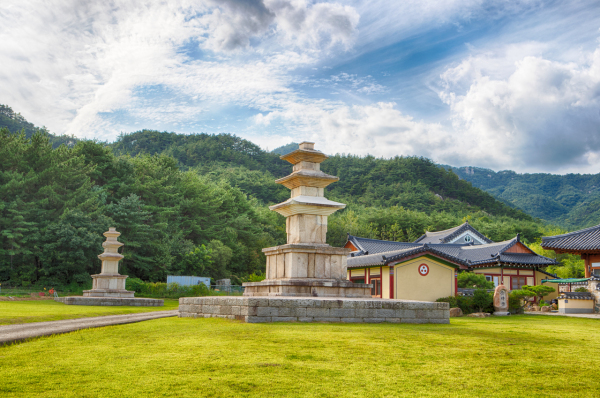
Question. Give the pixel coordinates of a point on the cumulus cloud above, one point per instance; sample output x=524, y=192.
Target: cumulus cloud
x=378, y=129
x=527, y=112
x=67, y=63
x=234, y=23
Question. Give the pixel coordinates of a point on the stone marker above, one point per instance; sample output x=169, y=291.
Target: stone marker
x=501, y=301
x=108, y=287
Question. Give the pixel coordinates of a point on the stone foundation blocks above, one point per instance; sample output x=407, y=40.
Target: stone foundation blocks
x=317, y=309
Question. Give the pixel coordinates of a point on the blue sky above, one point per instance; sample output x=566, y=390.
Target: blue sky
x=504, y=84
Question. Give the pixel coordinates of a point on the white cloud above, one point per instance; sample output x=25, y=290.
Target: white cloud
x=234, y=23
x=66, y=63
x=378, y=129
x=525, y=112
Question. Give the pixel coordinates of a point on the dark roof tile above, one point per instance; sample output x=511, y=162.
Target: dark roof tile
x=448, y=235
x=582, y=240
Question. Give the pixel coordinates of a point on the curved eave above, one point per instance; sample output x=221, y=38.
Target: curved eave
x=307, y=205
x=304, y=155
x=306, y=178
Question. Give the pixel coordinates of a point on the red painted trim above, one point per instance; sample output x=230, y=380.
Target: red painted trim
x=391, y=286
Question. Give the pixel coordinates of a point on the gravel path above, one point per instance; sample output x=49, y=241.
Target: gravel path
x=24, y=331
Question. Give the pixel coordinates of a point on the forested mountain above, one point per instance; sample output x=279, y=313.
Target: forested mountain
x=56, y=203
x=197, y=204
x=15, y=122
x=572, y=200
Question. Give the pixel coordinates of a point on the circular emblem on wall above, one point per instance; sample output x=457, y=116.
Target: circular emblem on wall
x=423, y=269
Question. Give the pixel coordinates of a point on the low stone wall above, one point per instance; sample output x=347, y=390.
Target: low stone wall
x=108, y=301
x=314, y=309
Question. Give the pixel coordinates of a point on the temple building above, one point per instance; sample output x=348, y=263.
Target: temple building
x=585, y=243
x=427, y=268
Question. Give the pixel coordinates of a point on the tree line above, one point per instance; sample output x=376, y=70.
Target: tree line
x=56, y=203
x=197, y=205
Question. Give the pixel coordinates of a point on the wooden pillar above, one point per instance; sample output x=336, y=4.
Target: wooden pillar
x=587, y=265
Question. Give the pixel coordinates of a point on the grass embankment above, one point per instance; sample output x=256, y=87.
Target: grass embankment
x=12, y=312
x=517, y=356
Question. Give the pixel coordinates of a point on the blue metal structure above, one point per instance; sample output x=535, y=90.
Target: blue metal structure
x=188, y=280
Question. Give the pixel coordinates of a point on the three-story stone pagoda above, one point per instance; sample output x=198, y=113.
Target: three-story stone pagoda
x=306, y=265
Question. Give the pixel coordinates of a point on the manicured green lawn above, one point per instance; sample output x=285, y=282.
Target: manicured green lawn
x=517, y=356
x=12, y=312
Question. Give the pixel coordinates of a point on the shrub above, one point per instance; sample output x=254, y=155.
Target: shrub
x=470, y=280
x=581, y=289
x=515, y=305
x=462, y=302
x=483, y=301
x=538, y=291
x=164, y=290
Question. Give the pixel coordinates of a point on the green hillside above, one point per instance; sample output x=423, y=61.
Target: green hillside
x=571, y=200
x=196, y=204
x=15, y=123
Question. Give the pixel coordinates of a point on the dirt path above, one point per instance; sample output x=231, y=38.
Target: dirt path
x=24, y=331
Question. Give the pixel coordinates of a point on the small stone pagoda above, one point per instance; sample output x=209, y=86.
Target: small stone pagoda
x=108, y=287
x=306, y=265
x=109, y=283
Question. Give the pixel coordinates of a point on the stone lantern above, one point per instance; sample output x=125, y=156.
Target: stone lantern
x=306, y=265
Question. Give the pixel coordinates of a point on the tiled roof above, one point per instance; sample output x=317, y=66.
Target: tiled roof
x=448, y=235
x=468, y=255
x=580, y=241
x=577, y=295
x=374, y=246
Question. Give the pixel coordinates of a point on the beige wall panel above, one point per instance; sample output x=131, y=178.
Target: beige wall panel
x=385, y=283
x=575, y=303
x=529, y=281
x=538, y=281
x=524, y=272
x=410, y=285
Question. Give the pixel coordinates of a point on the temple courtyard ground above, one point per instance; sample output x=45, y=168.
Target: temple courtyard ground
x=524, y=356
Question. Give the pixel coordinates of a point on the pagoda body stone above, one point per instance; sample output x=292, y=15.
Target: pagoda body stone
x=108, y=287
x=306, y=265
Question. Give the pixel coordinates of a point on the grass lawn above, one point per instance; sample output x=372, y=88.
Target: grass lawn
x=517, y=356
x=12, y=312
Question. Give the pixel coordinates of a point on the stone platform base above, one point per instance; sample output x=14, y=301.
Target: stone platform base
x=501, y=313
x=307, y=288
x=119, y=293
x=314, y=309
x=108, y=301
